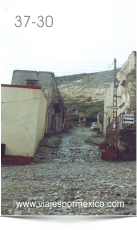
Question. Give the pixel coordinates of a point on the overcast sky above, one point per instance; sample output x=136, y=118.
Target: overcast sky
x=85, y=37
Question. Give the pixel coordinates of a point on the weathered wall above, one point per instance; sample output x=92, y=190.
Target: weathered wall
x=108, y=104
x=126, y=92
x=127, y=144
x=23, y=115
x=47, y=81
x=127, y=86
x=126, y=101
x=42, y=118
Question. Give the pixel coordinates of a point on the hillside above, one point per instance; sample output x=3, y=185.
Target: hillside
x=84, y=87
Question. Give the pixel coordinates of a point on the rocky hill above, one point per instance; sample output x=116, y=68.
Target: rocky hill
x=86, y=87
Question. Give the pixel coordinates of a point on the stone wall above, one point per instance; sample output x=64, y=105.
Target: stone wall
x=127, y=88
x=126, y=92
x=127, y=144
x=108, y=104
x=126, y=101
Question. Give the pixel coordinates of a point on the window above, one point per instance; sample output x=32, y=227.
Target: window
x=32, y=82
x=123, y=83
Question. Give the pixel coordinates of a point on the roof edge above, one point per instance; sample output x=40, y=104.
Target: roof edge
x=21, y=86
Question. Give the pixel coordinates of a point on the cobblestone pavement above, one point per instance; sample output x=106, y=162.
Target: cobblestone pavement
x=73, y=177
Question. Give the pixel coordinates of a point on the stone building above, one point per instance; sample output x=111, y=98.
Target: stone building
x=78, y=118
x=46, y=80
x=126, y=101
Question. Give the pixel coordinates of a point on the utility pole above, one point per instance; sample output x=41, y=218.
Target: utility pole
x=114, y=140
x=115, y=68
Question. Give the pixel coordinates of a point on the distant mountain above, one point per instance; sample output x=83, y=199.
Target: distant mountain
x=86, y=87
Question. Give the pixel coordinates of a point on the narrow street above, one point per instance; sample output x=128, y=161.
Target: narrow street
x=74, y=172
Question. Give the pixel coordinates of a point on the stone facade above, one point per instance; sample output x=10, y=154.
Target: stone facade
x=46, y=80
x=81, y=118
x=108, y=103
x=126, y=101
x=126, y=92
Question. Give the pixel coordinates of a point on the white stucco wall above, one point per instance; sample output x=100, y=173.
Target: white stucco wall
x=23, y=117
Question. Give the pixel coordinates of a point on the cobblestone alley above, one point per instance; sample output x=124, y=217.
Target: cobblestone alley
x=73, y=177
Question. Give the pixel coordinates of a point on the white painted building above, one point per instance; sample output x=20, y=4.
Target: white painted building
x=23, y=118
